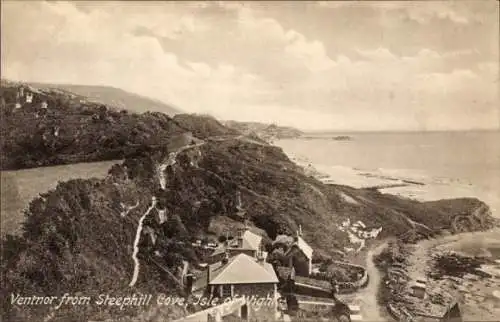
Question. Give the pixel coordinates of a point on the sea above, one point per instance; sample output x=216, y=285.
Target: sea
x=463, y=164
x=442, y=164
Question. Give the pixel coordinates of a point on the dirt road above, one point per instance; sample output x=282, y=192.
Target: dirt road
x=366, y=298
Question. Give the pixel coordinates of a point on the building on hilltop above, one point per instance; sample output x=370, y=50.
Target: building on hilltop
x=29, y=97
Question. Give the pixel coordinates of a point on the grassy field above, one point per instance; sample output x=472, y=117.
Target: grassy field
x=19, y=187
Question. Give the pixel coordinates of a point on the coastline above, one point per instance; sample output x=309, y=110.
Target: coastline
x=406, y=183
x=481, y=297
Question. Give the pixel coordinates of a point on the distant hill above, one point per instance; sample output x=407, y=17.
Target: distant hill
x=267, y=132
x=114, y=97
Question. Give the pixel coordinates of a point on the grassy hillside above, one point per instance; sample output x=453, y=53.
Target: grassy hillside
x=20, y=187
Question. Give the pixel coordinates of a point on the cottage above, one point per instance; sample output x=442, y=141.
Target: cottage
x=242, y=275
x=44, y=105
x=300, y=255
x=246, y=242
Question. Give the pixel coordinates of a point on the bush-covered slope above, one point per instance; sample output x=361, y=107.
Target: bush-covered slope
x=73, y=129
x=80, y=237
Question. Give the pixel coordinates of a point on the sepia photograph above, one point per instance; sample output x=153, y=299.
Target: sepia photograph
x=227, y=161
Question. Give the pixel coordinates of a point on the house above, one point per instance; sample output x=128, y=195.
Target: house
x=29, y=97
x=246, y=242
x=242, y=275
x=247, y=277
x=419, y=288
x=300, y=255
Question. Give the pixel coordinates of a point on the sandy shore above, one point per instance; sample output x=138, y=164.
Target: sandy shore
x=405, y=183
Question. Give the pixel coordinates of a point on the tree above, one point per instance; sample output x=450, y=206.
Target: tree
x=103, y=112
x=277, y=257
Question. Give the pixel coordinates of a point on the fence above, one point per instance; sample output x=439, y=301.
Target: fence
x=346, y=287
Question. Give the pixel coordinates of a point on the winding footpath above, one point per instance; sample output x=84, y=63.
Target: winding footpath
x=136, y=242
x=367, y=297
x=171, y=160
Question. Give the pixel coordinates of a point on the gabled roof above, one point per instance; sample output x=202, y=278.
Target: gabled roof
x=304, y=247
x=219, y=250
x=250, y=241
x=242, y=269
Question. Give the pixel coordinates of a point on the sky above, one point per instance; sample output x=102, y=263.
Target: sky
x=348, y=66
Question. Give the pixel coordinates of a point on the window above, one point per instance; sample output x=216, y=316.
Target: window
x=226, y=290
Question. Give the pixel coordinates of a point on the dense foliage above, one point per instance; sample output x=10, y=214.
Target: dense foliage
x=79, y=238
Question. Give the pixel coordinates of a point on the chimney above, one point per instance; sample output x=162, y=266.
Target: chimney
x=260, y=257
x=189, y=283
x=226, y=242
x=225, y=260
x=296, y=237
x=300, y=230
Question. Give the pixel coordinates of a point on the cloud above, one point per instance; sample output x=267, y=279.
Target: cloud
x=422, y=12
x=86, y=52
x=377, y=54
x=233, y=60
